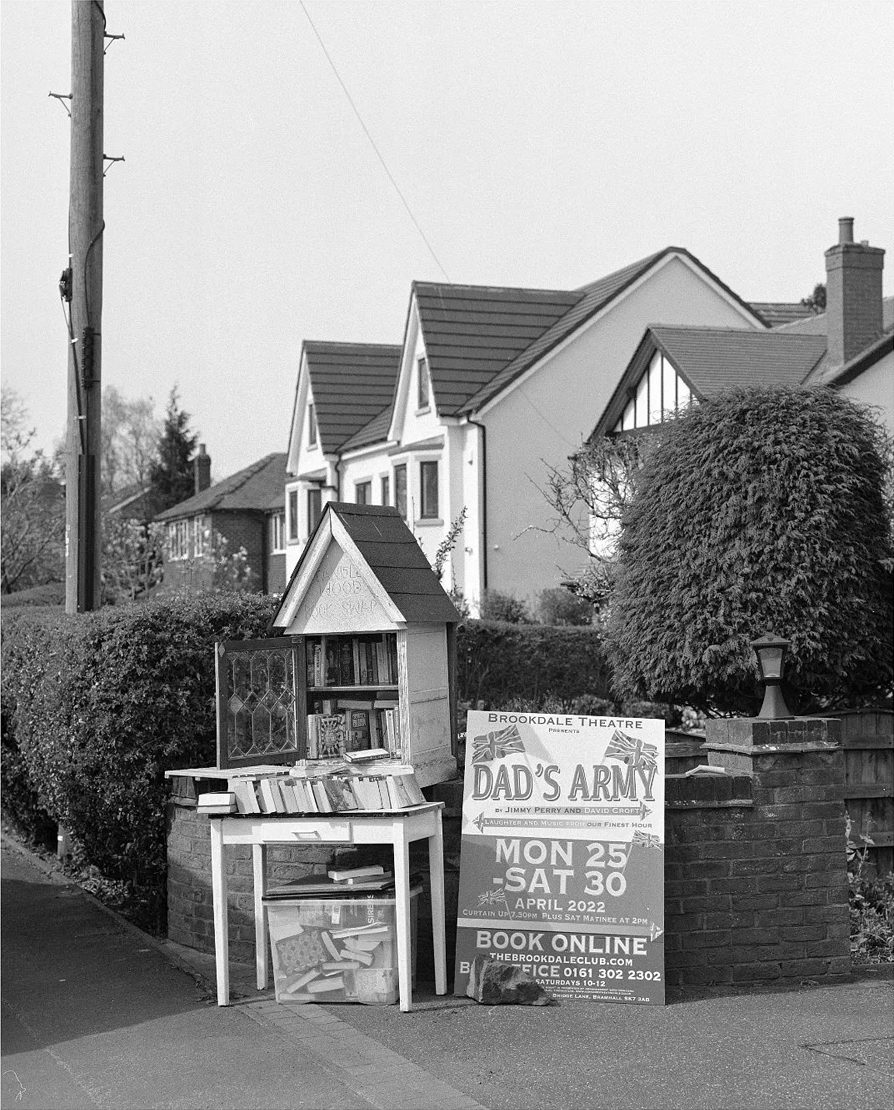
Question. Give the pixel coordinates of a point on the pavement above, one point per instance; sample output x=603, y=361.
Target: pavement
x=98, y=1014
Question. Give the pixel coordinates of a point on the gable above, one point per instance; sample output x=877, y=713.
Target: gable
x=473, y=332
x=680, y=363
x=349, y=384
x=361, y=570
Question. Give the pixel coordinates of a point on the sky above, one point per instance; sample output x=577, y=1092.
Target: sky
x=535, y=144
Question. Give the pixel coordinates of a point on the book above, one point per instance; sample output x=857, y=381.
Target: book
x=366, y=755
x=330, y=735
x=246, y=800
x=339, y=875
x=329, y=944
x=268, y=800
x=222, y=798
x=407, y=783
x=320, y=796
x=318, y=986
x=705, y=769
x=287, y=792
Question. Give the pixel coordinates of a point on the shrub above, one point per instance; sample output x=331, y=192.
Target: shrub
x=100, y=705
x=497, y=662
x=561, y=606
x=760, y=510
x=497, y=606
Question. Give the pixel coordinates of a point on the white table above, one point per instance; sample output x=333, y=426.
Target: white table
x=398, y=828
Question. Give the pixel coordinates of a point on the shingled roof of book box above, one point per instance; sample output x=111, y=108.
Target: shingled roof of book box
x=393, y=554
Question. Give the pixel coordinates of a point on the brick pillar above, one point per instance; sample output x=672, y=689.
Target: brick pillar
x=787, y=875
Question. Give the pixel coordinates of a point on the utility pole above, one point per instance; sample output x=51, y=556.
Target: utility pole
x=85, y=228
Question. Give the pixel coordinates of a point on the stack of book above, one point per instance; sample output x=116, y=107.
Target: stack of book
x=367, y=787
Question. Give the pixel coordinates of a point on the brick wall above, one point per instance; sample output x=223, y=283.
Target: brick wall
x=244, y=530
x=755, y=879
x=755, y=863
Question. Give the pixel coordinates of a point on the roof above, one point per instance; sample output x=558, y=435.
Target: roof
x=256, y=488
x=472, y=332
x=815, y=323
x=777, y=313
x=596, y=296
x=717, y=359
x=393, y=554
x=352, y=383
x=870, y=355
x=713, y=360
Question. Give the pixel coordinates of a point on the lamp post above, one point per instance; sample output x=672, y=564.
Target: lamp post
x=770, y=651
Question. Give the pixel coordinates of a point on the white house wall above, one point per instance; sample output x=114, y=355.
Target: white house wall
x=875, y=387
x=545, y=419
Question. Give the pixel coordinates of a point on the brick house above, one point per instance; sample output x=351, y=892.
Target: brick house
x=245, y=509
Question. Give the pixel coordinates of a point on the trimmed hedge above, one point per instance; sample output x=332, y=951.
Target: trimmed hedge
x=98, y=706
x=762, y=510
x=498, y=663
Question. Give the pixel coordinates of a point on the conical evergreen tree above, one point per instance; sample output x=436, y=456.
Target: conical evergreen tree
x=171, y=475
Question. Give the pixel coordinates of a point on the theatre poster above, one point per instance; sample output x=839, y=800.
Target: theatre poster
x=562, y=862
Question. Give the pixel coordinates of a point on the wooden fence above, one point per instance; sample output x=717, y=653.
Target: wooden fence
x=867, y=736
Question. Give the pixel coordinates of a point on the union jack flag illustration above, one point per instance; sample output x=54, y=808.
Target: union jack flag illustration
x=494, y=745
x=646, y=840
x=493, y=898
x=635, y=753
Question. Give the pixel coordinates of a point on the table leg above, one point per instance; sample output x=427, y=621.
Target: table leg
x=259, y=870
x=402, y=914
x=219, y=899
x=438, y=909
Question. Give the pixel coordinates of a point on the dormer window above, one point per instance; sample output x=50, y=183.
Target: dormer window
x=659, y=393
x=423, y=383
x=311, y=426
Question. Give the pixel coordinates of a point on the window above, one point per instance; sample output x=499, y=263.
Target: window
x=178, y=539
x=422, y=384
x=362, y=493
x=311, y=426
x=292, y=513
x=428, y=482
x=277, y=531
x=386, y=491
x=314, y=507
x=659, y=393
x=400, y=489
x=201, y=535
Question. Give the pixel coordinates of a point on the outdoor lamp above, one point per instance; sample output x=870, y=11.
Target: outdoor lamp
x=770, y=651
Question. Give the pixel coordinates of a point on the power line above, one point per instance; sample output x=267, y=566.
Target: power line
x=372, y=142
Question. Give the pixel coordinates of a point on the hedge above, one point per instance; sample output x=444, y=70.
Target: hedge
x=96, y=708
x=499, y=663
x=761, y=510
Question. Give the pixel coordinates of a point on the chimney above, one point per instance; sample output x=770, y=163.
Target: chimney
x=202, y=469
x=853, y=294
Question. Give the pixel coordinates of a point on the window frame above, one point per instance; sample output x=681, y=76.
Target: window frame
x=401, y=469
x=314, y=511
x=423, y=385
x=277, y=532
x=425, y=508
x=366, y=486
x=312, y=432
x=385, y=489
x=292, y=532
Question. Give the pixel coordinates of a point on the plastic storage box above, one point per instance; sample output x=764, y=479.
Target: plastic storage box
x=337, y=948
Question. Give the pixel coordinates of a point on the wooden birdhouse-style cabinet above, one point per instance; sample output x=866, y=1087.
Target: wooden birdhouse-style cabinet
x=362, y=656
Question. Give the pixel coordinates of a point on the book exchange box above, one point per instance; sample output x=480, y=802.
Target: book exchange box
x=361, y=656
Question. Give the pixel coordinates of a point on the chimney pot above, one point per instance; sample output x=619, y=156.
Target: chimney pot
x=846, y=229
